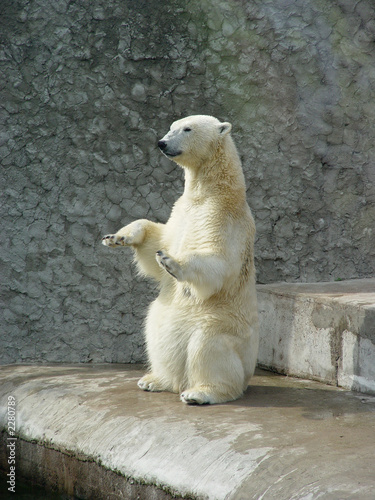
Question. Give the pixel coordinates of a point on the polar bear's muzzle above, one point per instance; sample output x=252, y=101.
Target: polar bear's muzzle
x=167, y=149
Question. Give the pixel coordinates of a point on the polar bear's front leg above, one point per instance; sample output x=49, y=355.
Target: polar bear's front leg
x=144, y=237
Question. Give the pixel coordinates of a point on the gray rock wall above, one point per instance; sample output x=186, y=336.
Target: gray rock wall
x=87, y=88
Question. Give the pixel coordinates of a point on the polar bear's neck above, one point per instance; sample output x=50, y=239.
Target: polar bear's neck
x=222, y=172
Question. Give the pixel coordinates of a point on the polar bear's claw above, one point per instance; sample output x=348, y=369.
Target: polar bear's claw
x=113, y=240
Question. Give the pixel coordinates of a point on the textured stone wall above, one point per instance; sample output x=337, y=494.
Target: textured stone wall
x=87, y=88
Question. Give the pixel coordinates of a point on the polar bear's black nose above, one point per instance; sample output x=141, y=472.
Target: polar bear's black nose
x=162, y=145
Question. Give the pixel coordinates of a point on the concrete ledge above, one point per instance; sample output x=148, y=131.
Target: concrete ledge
x=72, y=474
x=89, y=431
x=322, y=331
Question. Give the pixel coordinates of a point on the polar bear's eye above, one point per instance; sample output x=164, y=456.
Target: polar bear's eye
x=187, y=129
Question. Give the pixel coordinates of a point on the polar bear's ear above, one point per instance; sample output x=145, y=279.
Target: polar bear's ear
x=224, y=128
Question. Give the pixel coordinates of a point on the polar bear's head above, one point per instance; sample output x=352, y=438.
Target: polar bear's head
x=193, y=140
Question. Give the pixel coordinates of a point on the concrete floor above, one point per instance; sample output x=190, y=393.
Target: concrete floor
x=285, y=439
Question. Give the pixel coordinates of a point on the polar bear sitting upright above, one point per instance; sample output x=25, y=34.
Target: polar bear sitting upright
x=202, y=330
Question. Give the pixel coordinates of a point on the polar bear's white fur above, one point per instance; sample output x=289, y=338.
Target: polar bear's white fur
x=202, y=330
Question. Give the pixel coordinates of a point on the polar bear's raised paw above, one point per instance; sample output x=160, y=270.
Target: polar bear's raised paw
x=131, y=235
x=169, y=264
x=113, y=240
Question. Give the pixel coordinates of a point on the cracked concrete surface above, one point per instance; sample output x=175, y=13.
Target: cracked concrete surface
x=86, y=91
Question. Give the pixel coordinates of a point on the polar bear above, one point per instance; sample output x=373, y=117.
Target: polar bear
x=202, y=330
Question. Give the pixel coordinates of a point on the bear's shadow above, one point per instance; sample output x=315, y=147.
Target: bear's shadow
x=318, y=402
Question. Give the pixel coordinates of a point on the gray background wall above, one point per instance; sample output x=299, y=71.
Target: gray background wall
x=87, y=88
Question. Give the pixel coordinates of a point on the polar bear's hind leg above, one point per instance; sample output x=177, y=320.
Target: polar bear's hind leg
x=215, y=371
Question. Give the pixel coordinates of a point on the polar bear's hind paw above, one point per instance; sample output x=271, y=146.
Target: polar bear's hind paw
x=195, y=398
x=149, y=384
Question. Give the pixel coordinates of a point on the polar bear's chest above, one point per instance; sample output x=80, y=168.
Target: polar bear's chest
x=190, y=228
